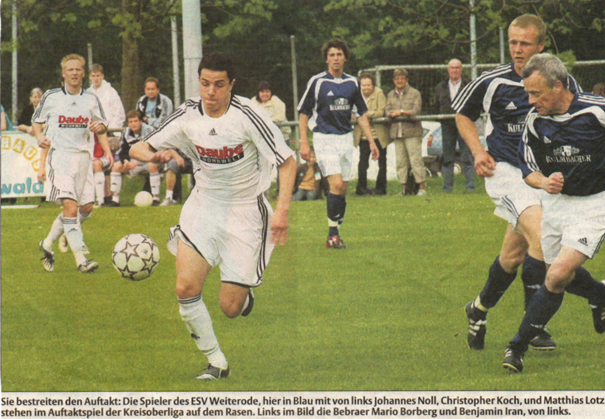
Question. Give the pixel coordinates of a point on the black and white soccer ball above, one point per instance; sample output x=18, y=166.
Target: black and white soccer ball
x=136, y=256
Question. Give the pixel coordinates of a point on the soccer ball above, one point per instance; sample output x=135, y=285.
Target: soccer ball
x=143, y=199
x=135, y=256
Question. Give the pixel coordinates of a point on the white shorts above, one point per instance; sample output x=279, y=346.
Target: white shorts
x=70, y=177
x=510, y=193
x=334, y=153
x=236, y=236
x=141, y=168
x=104, y=160
x=577, y=222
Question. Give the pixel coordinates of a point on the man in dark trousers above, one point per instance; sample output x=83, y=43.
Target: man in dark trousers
x=445, y=92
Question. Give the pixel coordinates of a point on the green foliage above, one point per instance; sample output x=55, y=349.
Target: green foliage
x=381, y=315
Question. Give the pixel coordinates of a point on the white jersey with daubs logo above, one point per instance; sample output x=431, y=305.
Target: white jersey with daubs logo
x=572, y=143
x=232, y=155
x=67, y=118
x=329, y=103
x=500, y=93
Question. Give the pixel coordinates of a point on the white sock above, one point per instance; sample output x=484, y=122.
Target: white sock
x=197, y=318
x=168, y=194
x=116, y=186
x=99, y=178
x=56, y=231
x=83, y=217
x=75, y=238
x=155, y=180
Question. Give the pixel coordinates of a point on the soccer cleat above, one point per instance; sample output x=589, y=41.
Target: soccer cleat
x=543, y=342
x=48, y=258
x=513, y=359
x=88, y=266
x=598, y=318
x=63, y=245
x=477, y=320
x=98, y=205
x=167, y=202
x=213, y=373
x=335, y=242
x=250, y=305
x=155, y=203
x=421, y=192
x=112, y=203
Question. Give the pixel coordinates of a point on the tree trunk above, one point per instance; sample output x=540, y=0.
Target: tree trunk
x=132, y=85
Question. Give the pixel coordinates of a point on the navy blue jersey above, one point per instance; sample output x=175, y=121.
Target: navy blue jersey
x=499, y=93
x=572, y=143
x=329, y=103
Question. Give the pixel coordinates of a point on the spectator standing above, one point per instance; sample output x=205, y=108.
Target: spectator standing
x=445, y=92
x=6, y=122
x=273, y=105
x=326, y=107
x=153, y=105
x=114, y=112
x=404, y=100
x=276, y=109
x=376, y=102
x=24, y=122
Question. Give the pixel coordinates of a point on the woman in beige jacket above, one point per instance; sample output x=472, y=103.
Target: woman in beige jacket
x=376, y=102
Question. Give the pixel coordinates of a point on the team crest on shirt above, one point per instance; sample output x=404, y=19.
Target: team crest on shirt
x=340, y=104
x=567, y=154
x=221, y=156
x=73, y=122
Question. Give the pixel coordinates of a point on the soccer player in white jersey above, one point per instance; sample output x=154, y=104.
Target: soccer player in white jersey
x=331, y=98
x=69, y=113
x=226, y=220
x=562, y=153
x=500, y=94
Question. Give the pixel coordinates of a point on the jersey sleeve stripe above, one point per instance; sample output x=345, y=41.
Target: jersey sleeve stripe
x=262, y=128
x=309, y=88
x=175, y=115
x=468, y=90
x=42, y=102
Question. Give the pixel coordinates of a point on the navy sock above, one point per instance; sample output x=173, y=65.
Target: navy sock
x=336, y=208
x=533, y=275
x=584, y=285
x=542, y=307
x=497, y=283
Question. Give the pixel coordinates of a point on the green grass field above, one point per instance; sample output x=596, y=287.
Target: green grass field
x=385, y=314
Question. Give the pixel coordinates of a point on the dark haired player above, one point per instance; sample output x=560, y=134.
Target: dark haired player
x=562, y=153
x=500, y=94
x=226, y=220
x=326, y=107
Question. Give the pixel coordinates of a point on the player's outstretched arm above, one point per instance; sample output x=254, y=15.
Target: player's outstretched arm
x=303, y=127
x=484, y=163
x=42, y=169
x=104, y=142
x=142, y=151
x=279, y=220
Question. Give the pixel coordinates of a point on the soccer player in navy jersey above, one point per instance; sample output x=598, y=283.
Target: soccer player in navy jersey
x=562, y=153
x=500, y=94
x=331, y=98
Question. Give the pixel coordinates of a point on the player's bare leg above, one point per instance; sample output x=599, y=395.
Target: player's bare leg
x=234, y=299
x=337, y=205
x=191, y=273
